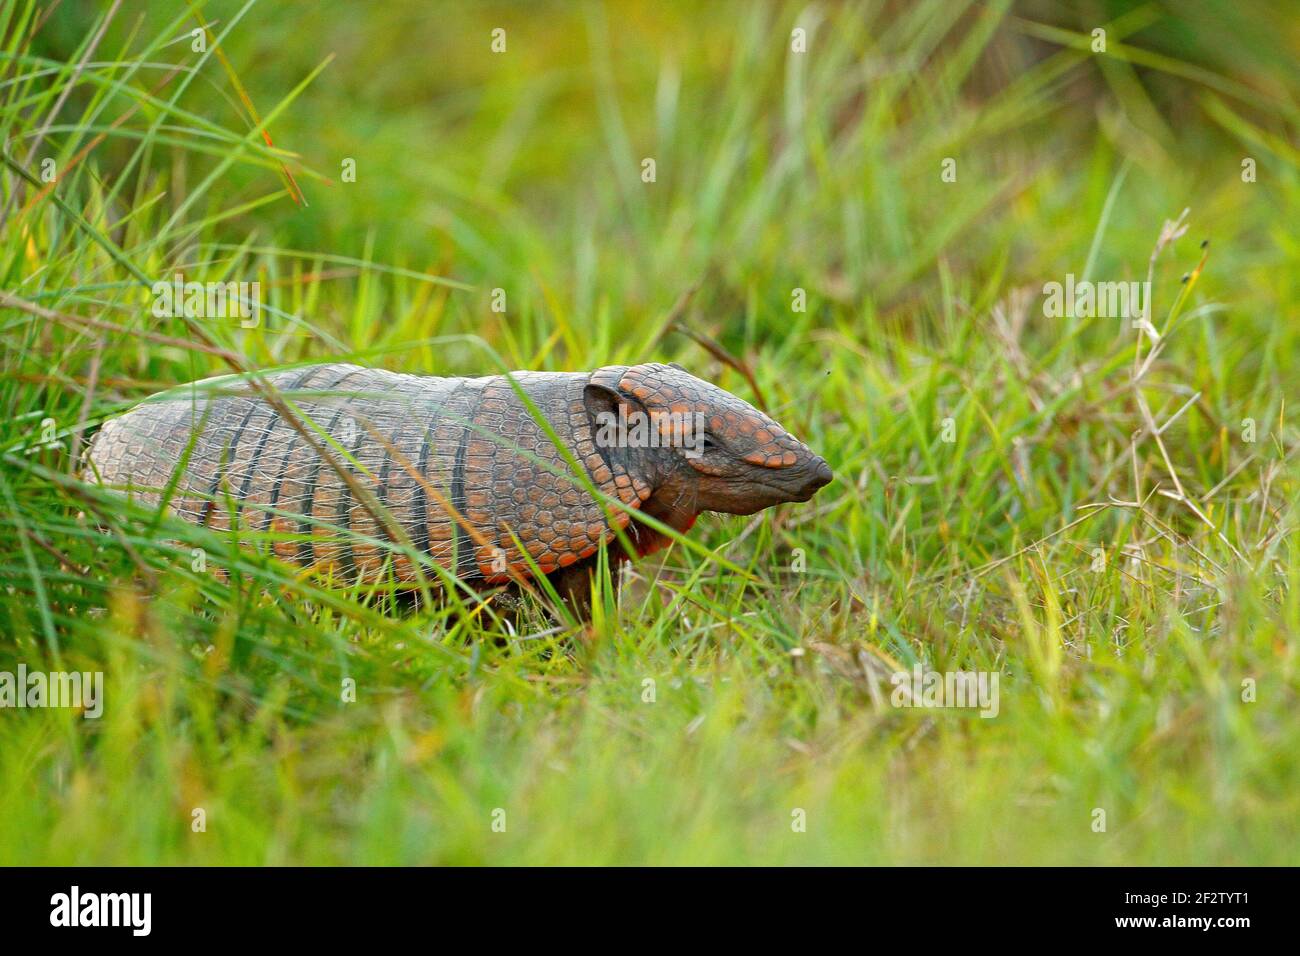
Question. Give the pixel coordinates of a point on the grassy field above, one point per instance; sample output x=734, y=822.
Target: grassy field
x=1100, y=513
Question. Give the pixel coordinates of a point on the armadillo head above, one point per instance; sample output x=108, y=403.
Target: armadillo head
x=703, y=449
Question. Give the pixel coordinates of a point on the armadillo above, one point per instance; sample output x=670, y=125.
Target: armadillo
x=462, y=468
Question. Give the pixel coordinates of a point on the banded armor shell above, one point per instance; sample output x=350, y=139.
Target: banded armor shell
x=429, y=449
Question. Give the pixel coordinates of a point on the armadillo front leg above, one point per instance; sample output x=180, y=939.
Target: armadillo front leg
x=575, y=583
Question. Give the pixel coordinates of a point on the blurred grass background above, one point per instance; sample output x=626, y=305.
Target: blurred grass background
x=1121, y=687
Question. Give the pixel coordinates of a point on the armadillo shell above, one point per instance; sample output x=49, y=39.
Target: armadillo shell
x=429, y=449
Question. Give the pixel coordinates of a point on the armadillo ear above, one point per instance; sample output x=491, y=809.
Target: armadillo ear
x=604, y=400
x=678, y=367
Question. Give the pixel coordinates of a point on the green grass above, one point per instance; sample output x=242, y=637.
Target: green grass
x=1122, y=688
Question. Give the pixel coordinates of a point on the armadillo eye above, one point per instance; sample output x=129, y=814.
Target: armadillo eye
x=707, y=443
